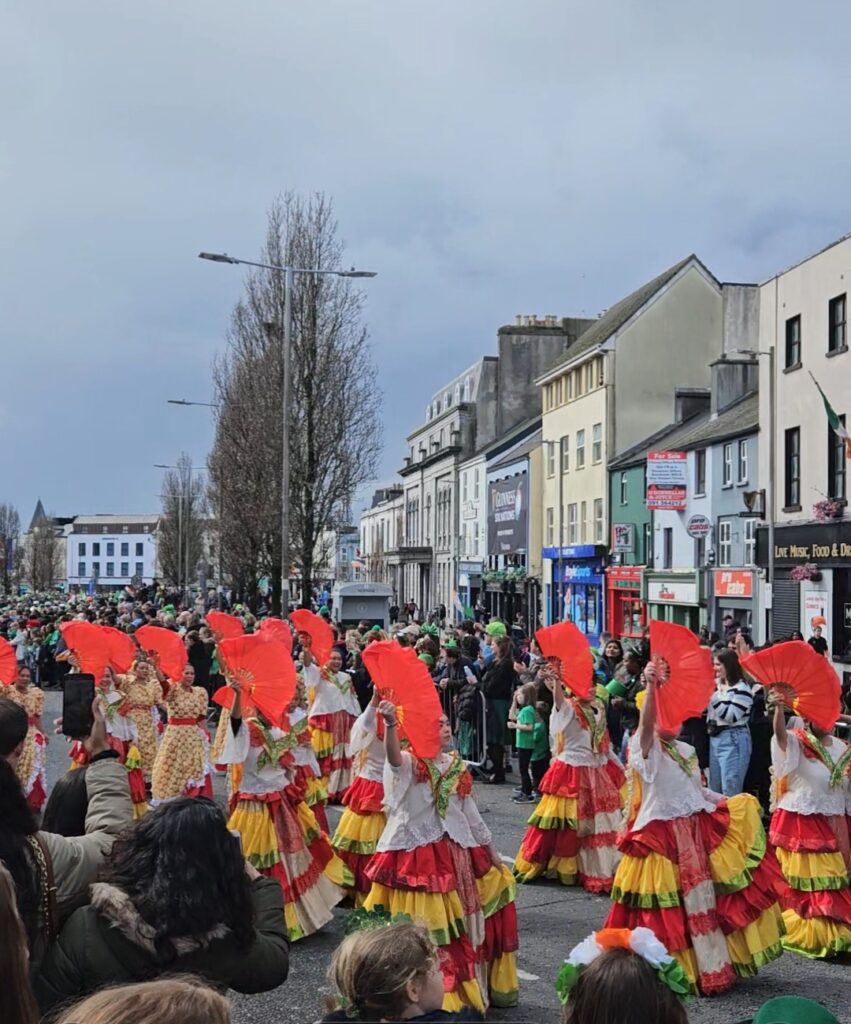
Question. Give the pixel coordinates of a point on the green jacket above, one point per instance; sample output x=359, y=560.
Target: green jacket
x=108, y=943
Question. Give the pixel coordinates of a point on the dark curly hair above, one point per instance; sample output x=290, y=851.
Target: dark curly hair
x=184, y=873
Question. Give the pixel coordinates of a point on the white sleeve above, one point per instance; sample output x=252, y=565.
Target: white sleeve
x=481, y=833
x=560, y=719
x=236, y=747
x=784, y=763
x=646, y=767
x=397, y=781
x=363, y=731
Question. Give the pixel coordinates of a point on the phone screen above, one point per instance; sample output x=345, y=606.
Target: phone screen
x=77, y=717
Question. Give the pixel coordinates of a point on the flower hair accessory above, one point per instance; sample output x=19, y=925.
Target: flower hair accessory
x=640, y=941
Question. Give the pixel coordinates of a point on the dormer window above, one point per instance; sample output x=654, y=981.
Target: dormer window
x=457, y=393
x=445, y=401
x=435, y=408
x=428, y=413
x=467, y=389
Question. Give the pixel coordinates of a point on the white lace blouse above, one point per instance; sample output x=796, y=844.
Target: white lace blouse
x=271, y=778
x=328, y=697
x=367, y=749
x=668, y=791
x=569, y=741
x=808, y=789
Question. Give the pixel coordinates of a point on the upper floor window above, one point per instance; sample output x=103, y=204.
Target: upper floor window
x=457, y=393
x=428, y=413
x=565, y=454
x=728, y=465
x=569, y=379
x=467, y=389
x=836, y=333
x=835, y=463
x=792, y=468
x=597, y=442
x=725, y=542
x=624, y=488
x=551, y=459
x=550, y=527
x=743, y=462
x=750, y=541
x=580, y=449
x=793, y=341
x=445, y=400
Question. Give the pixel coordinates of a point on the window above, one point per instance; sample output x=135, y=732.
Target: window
x=836, y=325
x=835, y=463
x=700, y=471
x=445, y=400
x=110, y=549
x=476, y=486
x=125, y=549
x=139, y=568
x=110, y=568
x=457, y=393
x=792, y=465
x=667, y=547
x=793, y=342
x=464, y=486
x=725, y=542
x=728, y=465
x=95, y=569
x=583, y=523
x=476, y=539
x=81, y=549
x=428, y=413
x=467, y=389
x=743, y=462
x=125, y=568
x=551, y=458
x=139, y=550
x=104, y=529
x=580, y=449
x=435, y=408
x=427, y=520
x=624, y=489
x=550, y=527
x=597, y=442
x=559, y=386
x=81, y=569
x=570, y=387
x=598, y=520
x=565, y=454
x=442, y=440
x=700, y=551
x=750, y=541
x=96, y=549
x=589, y=376
x=125, y=529
x=571, y=523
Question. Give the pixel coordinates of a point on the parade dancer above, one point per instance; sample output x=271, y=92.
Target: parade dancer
x=143, y=694
x=694, y=867
x=333, y=711
x=308, y=772
x=363, y=820
x=436, y=863
x=182, y=767
x=123, y=737
x=30, y=767
x=279, y=833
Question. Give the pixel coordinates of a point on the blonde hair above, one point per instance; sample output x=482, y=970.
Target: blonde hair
x=371, y=969
x=185, y=999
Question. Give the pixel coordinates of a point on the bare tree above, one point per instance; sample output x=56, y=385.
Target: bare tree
x=10, y=530
x=43, y=551
x=335, y=435
x=180, y=542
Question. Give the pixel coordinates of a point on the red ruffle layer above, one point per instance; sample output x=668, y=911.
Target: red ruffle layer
x=426, y=868
x=810, y=833
x=36, y=796
x=831, y=903
x=596, y=790
x=365, y=796
x=357, y=863
x=658, y=837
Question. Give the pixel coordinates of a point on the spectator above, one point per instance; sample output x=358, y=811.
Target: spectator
x=178, y=898
x=68, y=804
x=498, y=685
x=527, y=719
x=17, y=1003
x=200, y=646
x=622, y=710
x=728, y=625
x=170, y=1001
x=817, y=641
x=728, y=722
x=609, y=661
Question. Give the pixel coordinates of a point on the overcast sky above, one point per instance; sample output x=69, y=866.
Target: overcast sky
x=486, y=157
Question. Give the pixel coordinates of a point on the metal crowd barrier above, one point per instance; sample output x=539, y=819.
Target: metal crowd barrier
x=471, y=739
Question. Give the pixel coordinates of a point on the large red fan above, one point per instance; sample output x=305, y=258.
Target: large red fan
x=224, y=626
x=8, y=663
x=322, y=639
x=684, y=674
x=166, y=649
x=266, y=671
x=122, y=651
x=276, y=629
x=804, y=680
x=568, y=647
x=402, y=678
x=89, y=645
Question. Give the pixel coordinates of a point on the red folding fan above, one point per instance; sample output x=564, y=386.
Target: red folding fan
x=166, y=649
x=224, y=626
x=684, y=675
x=804, y=680
x=89, y=645
x=267, y=674
x=8, y=663
x=276, y=629
x=122, y=650
x=402, y=678
x=322, y=639
x=568, y=648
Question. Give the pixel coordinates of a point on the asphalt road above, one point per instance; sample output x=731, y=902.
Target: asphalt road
x=552, y=920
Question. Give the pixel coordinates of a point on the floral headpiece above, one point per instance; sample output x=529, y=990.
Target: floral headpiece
x=641, y=941
x=366, y=920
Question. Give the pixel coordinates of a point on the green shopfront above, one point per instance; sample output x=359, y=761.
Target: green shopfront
x=675, y=597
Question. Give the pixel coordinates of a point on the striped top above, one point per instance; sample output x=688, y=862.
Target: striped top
x=732, y=705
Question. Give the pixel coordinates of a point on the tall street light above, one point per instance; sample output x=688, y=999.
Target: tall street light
x=289, y=283
x=182, y=555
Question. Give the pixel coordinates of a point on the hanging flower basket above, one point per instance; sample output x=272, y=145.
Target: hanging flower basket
x=828, y=508
x=807, y=571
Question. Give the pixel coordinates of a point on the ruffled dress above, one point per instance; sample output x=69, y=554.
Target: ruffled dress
x=182, y=766
x=810, y=829
x=280, y=835
x=696, y=869
x=141, y=698
x=363, y=820
x=31, y=764
x=308, y=773
x=333, y=711
x=572, y=834
x=434, y=863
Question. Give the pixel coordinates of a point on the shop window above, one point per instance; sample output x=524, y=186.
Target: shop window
x=793, y=342
x=571, y=523
x=667, y=547
x=580, y=449
x=631, y=608
x=598, y=520
x=835, y=463
x=792, y=468
x=750, y=542
x=565, y=454
x=551, y=459
x=550, y=527
x=700, y=471
x=728, y=465
x=743, y=462
x=597, y=443
x=725, y=542
x=836, y=325
x=624, y=489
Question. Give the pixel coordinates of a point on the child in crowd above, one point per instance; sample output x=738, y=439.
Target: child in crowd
x=388, y=974
x=540, y=762
x=183, y=999
x=523, y=724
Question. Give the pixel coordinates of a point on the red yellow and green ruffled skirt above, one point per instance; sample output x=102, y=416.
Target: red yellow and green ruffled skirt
x=572, y=834
x=129, y=756
x=466, y=901
x=359, y=830
x=282, y=839
x=331, y=736
x=813, y=851
x=708, y=886
x=315, y=789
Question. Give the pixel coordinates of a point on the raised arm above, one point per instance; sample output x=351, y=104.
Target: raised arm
x=647, y=721
x=393, y=750
x=780, y=733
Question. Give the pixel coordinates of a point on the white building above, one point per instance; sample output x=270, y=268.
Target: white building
x=380, y=533
x=473, y=528
x=109, y=551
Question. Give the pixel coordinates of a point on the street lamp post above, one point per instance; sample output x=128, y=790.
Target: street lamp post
x=289, y=282
x=183, y=525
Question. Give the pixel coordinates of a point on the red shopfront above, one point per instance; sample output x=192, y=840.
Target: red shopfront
x=627, y=613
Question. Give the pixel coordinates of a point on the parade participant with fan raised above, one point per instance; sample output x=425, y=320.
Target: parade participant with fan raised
x=435, y=860
x=222, y=626
x=573, y=831
x=334, y=706
x=279, y=833
x=695, y=868
x=811, y=771
x=30, y=765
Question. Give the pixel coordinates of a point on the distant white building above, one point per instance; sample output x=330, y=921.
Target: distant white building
x=109, y=551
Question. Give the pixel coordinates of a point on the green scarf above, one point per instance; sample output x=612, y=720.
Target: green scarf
x=442, y=786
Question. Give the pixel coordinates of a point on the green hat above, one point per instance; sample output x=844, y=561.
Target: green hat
x=495, y=629
x=793, y=1010
x=430, y=630
x=451, y=645
x=375, y=629
x=616, y=688
x=324, y=610
x=427, y=659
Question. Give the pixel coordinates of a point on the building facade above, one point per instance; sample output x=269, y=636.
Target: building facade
x=381, y=528
x=108, y=552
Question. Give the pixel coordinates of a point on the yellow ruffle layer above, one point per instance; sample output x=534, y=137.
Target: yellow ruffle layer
x=563, y=869
x=817, y=937
x=555, y=812
x=322, y=742
x=259, y=838
x=741, y=849
x=650, y=882
x=813, y=872
x=468, y=993
x=441, y=913
x=359, y=833
x=503, y=982
x=497, y=888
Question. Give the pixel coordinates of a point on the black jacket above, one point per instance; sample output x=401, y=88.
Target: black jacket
x=454, y=674
x=499, y=680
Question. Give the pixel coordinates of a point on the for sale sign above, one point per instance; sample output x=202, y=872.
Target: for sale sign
x=667, y=480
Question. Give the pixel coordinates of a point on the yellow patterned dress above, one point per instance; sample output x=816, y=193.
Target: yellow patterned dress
x=31, y=762
x=141, y=697
x=182, y=766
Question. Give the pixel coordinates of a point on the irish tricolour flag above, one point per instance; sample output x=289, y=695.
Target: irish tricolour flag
x=836, y=424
